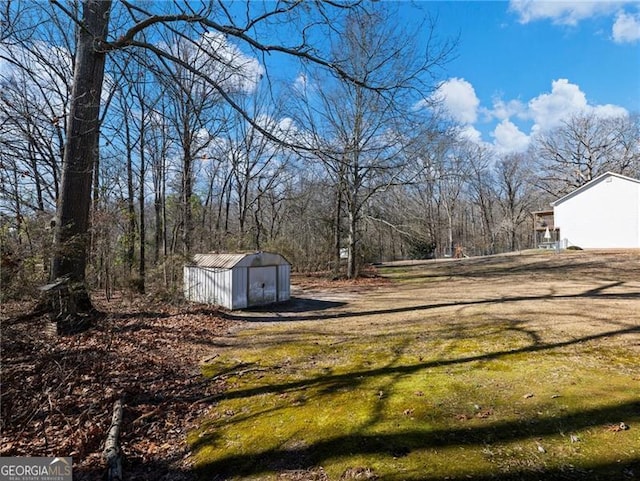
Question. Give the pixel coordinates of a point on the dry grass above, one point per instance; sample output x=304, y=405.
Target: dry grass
x=509, y=367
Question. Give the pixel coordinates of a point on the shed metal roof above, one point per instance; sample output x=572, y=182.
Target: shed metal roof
x=218, y=261
x=247, y=259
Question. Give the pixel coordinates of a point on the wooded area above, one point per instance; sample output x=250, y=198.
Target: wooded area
x=134, y=135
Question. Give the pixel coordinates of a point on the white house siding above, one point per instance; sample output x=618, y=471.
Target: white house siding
x=602, y=214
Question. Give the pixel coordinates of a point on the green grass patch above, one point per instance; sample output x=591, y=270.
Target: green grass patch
x=296, y=405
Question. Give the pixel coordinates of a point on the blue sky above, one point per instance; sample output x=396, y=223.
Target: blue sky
x=523, y=66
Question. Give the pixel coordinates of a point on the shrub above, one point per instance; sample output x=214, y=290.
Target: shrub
x=421, y=249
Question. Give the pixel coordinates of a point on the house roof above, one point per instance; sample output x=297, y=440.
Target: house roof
x=231, y=260
x=591, y=183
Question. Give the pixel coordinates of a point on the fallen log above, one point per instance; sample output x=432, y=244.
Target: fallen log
x=111, y=452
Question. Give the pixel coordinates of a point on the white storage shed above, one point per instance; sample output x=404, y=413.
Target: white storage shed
x=237, y=281
x=603, y=213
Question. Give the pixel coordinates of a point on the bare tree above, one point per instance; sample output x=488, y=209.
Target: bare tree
x=515, y=193
x=584, y=147
x=362, y=135
x=158, y=144
x=35, y=70
x=194, y=122
x=481, y=185
x=81, y=145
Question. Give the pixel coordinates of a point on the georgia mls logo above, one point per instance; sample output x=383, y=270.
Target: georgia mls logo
x=62, y=466
x=35, y=469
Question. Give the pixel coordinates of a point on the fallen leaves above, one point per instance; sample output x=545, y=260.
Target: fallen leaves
x=616, y=428
x=480, y=414
x=484, y=413
x=58, y=391
x=359, y=473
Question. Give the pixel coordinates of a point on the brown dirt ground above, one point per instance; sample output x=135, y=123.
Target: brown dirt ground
x=554, y=297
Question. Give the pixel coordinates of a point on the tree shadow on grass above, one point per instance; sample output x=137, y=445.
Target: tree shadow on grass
x=554, y=267
x=403, y=443
x=357, y=376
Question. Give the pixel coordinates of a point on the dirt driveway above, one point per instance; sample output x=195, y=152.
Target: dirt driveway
x=554, y=297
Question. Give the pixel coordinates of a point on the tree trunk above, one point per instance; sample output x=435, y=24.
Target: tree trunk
x=352, y=259
x=337, y=231
x=187, y=191
x=81, y=147
x=131, y=209
x=157, y=208
x=143, y=225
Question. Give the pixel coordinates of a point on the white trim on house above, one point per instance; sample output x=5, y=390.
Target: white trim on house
x=590, y=184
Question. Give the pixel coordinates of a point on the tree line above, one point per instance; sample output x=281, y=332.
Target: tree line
x=134, y=135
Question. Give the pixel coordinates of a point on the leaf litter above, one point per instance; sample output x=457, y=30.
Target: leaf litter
x=58, y=391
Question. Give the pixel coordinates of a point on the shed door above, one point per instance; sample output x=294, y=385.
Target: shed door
x=263, y=285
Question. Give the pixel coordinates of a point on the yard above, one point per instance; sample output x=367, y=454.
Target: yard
x=520, y=367
x=509, y=367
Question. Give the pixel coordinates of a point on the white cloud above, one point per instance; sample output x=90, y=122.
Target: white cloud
x=459, y=100
x=214, y=56
x=541, y=113
x=301, y=83
x=626, y=28
x=470, y=133
x=509, y=138
x=608, y=111
x=549, y=109
x=505, y=109
x=562, y=12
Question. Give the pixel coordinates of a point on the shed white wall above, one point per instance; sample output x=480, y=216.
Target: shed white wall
x=239, y=287
x=284, y=282
x=605, y=215
x=254, y=280
x=240, y=281
x=209, y=286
